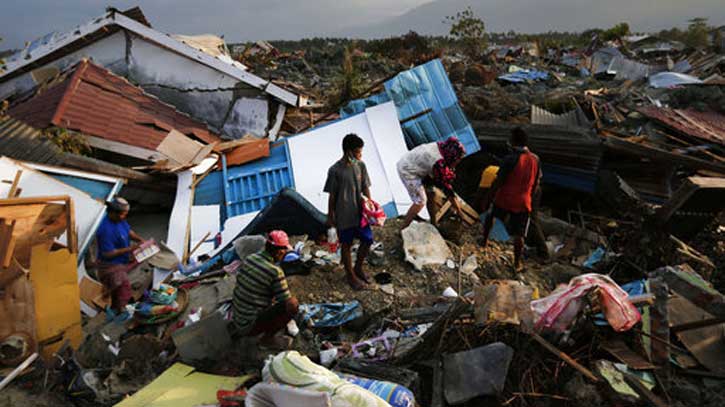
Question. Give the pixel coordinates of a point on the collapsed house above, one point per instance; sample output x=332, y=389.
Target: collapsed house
x=210, y=88
x=447, y=322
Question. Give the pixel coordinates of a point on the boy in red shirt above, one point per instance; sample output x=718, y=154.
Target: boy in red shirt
x=516, y=182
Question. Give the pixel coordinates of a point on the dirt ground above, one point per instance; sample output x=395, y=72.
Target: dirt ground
x=413, y=288
x=14, y=396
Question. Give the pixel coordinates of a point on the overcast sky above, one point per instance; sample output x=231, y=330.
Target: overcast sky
x=245, y=20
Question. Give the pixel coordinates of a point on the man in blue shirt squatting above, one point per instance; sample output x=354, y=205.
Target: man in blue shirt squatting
x=114, y=236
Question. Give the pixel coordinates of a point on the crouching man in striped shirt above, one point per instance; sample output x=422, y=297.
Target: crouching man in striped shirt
x=262, y=301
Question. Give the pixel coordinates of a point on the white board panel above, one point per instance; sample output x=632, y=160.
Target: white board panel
x=204, y=219
x=390, y=143
x=312, y=153
x=176, y=237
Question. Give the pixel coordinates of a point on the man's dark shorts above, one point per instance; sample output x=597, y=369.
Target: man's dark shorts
x=517, y=223
x=365, y=235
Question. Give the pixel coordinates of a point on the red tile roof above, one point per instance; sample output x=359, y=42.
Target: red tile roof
x=708, y=126
x=96, y=102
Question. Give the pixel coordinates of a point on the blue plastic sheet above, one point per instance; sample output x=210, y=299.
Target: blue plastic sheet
x=330, y=314
x=525, y=75
x=594, y=258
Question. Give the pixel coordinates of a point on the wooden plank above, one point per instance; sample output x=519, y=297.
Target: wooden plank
x=442, y=211
x=705, y=343
x=659, y=319
x=249, y=151
x=71, y=226
x=225, y=146
x=33, y=200
x=34, y=224
x=196, y=246
x=14, y=187
x=180, y=148
x=621, y=351
x=7, y=242
x=566, y=358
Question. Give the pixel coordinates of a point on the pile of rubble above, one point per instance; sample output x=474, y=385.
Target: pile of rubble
x=620, y=301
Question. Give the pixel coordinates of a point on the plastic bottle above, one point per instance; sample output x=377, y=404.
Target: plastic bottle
x=332, y=239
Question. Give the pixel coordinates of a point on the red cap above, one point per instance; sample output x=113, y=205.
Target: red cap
x=279, y=238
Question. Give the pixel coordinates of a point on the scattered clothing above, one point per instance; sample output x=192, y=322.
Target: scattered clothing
x=558, y=311
x=347, y=181
x=259, y=283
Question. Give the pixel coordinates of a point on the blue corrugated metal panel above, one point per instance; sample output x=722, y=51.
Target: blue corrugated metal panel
x=247, y=188
x=425, y=87
x=97, y=189
x=359, y=105
x=569, y=178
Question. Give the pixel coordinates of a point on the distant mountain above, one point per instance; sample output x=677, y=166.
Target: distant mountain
x=535, y=16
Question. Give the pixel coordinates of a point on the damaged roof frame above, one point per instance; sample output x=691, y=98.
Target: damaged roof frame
x=116, y=18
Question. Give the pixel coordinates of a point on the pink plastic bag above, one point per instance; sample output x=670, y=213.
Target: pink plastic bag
x=373, y=213
x=558, y=310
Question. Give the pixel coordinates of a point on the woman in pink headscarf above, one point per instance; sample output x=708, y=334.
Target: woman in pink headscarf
x=431, y=161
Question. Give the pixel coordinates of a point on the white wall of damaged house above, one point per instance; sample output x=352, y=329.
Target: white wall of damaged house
x=228, y=106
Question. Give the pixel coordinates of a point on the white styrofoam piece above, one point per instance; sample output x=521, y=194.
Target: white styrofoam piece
x=204, y=219
x=180, y=213
x=312, y=153
x=36, y=184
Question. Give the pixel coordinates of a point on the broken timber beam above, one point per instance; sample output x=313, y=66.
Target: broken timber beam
x=693, y=288
x=566, y=358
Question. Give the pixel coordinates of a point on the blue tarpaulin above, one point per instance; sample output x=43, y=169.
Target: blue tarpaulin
x=330, y=315
x=427, y=106
x=524, y=75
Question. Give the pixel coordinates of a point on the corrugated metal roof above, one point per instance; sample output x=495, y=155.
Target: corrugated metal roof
x=572, y=118
x=247, y=188
x=427, y=106
x=708, y=126
x=96, y=102
x=22, y=142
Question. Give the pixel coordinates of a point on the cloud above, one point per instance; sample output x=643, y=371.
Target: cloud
x=249, y=20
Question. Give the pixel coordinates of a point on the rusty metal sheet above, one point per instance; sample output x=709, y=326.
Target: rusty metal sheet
x=708, y=126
